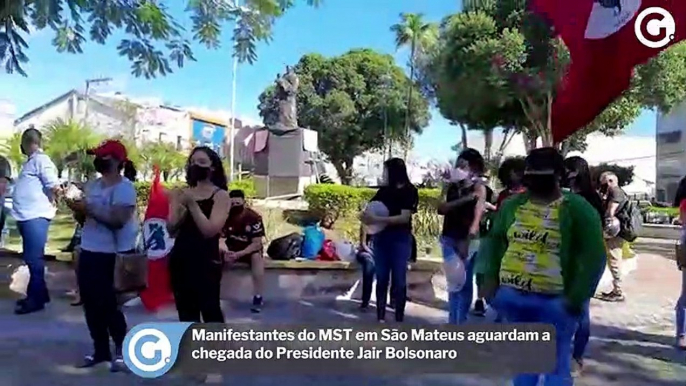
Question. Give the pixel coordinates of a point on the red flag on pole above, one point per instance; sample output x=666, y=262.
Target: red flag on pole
x=606, y=40
x=158, y=244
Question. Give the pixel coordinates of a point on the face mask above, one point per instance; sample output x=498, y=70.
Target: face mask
x=236, y=209
x=458, y=174
x=541, y=185
x=197, y=173
x=603, y=188
x=101, y=165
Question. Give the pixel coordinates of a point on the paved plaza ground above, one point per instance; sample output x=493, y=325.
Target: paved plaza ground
x=631, y=343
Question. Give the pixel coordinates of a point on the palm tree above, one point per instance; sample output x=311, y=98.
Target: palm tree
x=11, y=149
x=164, y=156
x=63, y=138
x=413, y=32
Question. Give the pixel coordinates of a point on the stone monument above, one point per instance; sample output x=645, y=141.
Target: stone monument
x=286, y=96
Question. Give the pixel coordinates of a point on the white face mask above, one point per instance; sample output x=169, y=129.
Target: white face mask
x=457, y=175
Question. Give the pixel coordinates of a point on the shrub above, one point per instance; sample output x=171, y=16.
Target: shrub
x=143, y=189
x=343, y=200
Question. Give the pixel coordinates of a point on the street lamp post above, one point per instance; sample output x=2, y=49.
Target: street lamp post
x=386, y=83
x=90, y=82
x=232, y=133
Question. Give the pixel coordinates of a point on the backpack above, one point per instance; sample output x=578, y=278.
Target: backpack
x=285, y=247
x=630, y=221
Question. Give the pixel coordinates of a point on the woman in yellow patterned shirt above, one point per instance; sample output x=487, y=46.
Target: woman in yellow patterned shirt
x=543, y=255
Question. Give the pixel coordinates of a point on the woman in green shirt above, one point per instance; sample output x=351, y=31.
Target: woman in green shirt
x=542, y=256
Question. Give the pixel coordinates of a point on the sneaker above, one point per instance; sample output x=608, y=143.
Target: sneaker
x=681, y=342
x=117, y=365
x=92, y=360
x=577, y=367
x=479, y=308
x=612, y=296
x=257, y=303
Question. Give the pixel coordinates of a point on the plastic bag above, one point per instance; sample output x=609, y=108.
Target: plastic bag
x=455, y=274
x=20, y=279
x=313, y=241
x=345, y=251
x=328, y=252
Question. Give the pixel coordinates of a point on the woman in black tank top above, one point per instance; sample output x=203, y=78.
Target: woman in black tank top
x=198, y=216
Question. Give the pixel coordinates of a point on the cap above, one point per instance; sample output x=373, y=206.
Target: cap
x=111, y=148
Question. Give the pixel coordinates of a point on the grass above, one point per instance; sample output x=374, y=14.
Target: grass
x=277, y=223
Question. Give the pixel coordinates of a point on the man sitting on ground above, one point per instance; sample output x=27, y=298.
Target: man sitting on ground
x=242, y=240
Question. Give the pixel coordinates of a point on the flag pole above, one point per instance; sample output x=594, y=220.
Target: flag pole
x=232, y=149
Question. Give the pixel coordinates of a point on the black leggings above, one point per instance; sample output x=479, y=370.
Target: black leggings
x=103, y=315
x=196, y=288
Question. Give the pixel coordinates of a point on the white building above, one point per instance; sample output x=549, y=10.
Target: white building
x=671, y=152
x=141, y=119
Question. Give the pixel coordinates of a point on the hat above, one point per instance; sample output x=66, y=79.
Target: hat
x=111, y=148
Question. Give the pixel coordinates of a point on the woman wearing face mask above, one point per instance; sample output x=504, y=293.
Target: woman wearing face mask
x=578, y=180
x=393, y=245
x=110, y=227
x=198, y=214
x=464, y=204
x=543, y=255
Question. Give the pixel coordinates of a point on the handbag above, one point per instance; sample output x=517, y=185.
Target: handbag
x=130, y=269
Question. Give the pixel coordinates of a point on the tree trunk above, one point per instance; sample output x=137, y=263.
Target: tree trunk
x=344, y=168
x=530, y=140
x=464, y=136
x=408, y=115
x=488, y=144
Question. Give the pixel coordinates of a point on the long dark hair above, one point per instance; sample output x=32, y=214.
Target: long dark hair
x=584, y=182
x=396, y=172
x=680, y=193
x=218, y=177
x=129, y=170
x=474, y=159
x=511, y=165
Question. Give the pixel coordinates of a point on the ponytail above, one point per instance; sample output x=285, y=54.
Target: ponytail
x=129, y=170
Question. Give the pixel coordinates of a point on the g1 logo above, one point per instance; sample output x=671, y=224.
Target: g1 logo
x=661, y=21
x=150, y=349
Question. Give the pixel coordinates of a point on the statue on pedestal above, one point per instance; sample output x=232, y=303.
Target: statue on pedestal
x=286, y=95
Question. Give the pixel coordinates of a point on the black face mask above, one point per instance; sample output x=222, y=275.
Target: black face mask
x=236, y=210
x=541, y=185
x=197, y=173
x=101, y=165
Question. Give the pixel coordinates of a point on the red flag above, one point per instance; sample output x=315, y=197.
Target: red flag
x=158, y=243
x=604, y=41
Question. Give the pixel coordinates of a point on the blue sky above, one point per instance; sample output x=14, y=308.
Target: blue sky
x=334, y=28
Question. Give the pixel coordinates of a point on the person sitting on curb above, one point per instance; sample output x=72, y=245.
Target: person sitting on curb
x=242, y=240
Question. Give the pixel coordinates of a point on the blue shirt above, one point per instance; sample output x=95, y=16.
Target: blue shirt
x=32, y=197
x=96, y=237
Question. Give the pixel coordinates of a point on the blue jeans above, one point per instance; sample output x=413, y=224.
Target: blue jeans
x=366, y=260
x=583, y=333
x=392, y=250
x=522, y=307
x=583, y=328
x=459, y=302
x=34, y=236
x=681, y=308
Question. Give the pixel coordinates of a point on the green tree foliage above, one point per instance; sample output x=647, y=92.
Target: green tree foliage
x=63, y=138
x=164, y=156
x=154, y=42
x=11, y=149
x=348, y=99
x=420, y=37
x=625, y=174
x=497, y=65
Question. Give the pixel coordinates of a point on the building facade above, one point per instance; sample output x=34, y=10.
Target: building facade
x=670, y=152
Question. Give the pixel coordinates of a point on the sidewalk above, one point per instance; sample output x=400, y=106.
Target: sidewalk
x=631, y=344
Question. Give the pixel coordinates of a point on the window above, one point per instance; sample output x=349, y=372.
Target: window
x=671, y=137
x=179, y=144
